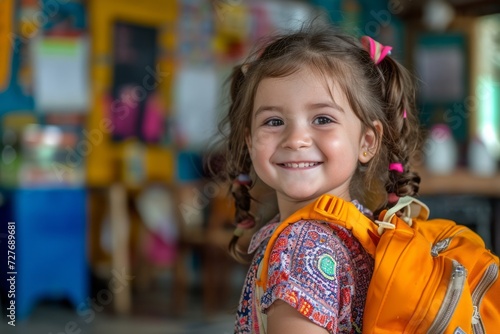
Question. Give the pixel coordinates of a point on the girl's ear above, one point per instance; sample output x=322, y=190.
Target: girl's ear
x=370, y=142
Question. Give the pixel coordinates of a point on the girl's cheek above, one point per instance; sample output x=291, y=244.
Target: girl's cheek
x=261, y=139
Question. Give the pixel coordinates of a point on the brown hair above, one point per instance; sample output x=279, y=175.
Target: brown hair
x=382, y=92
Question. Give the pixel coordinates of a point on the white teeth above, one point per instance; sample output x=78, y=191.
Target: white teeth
x=300, y=164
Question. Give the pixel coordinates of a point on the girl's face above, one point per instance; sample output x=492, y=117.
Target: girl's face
x=305, y=139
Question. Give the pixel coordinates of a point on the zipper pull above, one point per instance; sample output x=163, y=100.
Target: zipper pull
x=476, y=317
x=459, y=275
x=440, y=246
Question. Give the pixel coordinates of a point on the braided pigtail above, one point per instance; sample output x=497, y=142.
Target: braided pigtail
x=401, y=135
x=244, y=220
x=238, y=163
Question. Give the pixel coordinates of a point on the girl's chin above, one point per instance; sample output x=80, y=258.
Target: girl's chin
x=301, y=196
x=311, y=196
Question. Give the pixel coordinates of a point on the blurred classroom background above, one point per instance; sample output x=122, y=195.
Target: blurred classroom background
x=106, y=111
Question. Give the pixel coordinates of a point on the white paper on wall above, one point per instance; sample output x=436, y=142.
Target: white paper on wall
x=61, y=71
x=196, y=89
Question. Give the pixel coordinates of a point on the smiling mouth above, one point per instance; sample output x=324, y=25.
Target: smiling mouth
x=300, y=164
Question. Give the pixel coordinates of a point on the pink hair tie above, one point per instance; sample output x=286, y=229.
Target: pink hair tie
x=245, y=224
x=396, y=166
x=392, y=198
x=377, y=51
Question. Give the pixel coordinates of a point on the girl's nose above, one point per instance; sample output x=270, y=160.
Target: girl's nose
x=296, y=137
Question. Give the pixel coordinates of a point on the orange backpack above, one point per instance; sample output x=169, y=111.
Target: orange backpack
x=430, y=276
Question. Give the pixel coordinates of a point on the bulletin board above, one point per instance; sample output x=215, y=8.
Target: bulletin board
x=152, y=18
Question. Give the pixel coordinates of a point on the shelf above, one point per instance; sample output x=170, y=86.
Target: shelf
x=459, y=182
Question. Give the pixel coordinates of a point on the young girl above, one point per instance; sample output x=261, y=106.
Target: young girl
x=316, y=112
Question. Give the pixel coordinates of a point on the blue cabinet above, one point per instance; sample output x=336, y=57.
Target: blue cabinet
x=51, y=246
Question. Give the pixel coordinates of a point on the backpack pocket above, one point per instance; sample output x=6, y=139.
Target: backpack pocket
x=414, y=292
x=454, y=314
x=487, y=290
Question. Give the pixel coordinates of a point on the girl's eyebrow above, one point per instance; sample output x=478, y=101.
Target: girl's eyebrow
x=320, y=105
x=267, y=108
x=310, y=106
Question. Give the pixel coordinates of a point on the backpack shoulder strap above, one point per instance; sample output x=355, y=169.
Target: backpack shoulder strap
x=332, y=210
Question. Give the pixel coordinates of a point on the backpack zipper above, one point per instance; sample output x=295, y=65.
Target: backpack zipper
x=450, y=301
x=440, y=246
x=489, y=277
x=443, y=244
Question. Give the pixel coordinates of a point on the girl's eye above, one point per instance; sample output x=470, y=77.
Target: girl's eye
x=323, y=120
x=274, y=122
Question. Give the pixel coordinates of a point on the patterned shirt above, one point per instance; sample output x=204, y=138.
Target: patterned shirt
x=319, y=269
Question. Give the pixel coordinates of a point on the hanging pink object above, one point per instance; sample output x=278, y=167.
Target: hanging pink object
x=153, y=121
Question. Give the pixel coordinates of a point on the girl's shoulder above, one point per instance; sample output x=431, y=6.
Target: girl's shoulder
x=306, y=230
x=338, y=233
x=314, y=235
